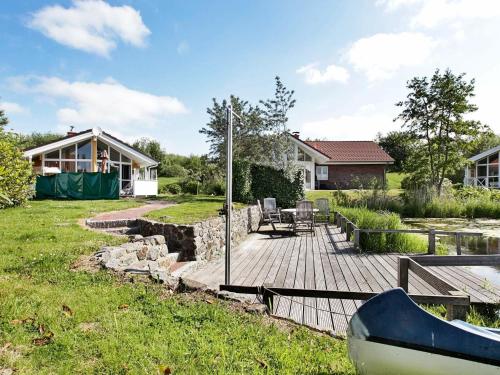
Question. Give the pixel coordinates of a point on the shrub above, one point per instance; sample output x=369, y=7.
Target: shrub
x=171, y=189
x=242, y=181
x=213, y=187
x=173, y=170
x=189, y=186
x=16, y=177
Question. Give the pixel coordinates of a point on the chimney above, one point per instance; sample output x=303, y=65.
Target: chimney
x=71, y=133
x=296, y=134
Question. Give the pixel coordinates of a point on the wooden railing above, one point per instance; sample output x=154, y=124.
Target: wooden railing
x=456, y=304
x=349, y=228
x=417, y=264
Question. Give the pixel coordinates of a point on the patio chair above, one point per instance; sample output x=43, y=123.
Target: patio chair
x=304, y=216
x=323, y=205
x=265, y=218
x=271, y=210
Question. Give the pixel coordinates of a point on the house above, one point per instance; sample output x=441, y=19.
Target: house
x=94, y=150
x=339, y=164
x=483, y=169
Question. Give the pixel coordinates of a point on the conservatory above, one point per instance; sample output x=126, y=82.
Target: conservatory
x=483, y=169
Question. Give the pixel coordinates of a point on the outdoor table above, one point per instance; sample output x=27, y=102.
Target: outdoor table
x=293, y=211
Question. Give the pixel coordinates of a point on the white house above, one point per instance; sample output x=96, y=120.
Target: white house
x=483, y=170
x=94, y=150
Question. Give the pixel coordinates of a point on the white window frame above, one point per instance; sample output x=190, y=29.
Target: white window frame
x=322, y=172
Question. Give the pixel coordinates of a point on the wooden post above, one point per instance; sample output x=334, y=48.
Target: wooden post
x=342, y=221
x=356, y=239
x=403, y=265
x=458, y=240
x=432, y=241
x=337, y=219
x=347, y=230
x=456, y=312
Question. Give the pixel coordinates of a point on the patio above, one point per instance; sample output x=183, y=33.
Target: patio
x=325, y=261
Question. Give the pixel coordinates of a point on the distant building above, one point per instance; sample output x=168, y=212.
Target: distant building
x=93, y=150
x=484, y=169
x=339, y=164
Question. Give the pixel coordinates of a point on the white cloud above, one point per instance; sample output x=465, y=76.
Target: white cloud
x=381, y=55
x=93, y=26
x=314, y=75
x=438, y=12
x=108, y=104
x=360, y=126
x=12, y=108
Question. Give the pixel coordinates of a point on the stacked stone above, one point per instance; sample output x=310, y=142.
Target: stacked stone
x=143, y=255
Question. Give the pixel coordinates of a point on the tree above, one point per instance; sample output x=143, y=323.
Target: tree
x=36, y=139
x=398, y=145
x=150, y=147
x=261, y=136
x=16, y=178
x=434, y=114
x=276, y=118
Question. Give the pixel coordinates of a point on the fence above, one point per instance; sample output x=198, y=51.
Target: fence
x=349, y=228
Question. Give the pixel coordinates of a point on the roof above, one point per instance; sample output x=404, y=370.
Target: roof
x=485, y=153
x=124, y=147
x=351, y=151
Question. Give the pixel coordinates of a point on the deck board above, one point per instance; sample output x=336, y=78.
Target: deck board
x=326, y=261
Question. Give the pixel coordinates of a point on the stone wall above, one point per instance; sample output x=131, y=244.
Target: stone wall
x=203, y=240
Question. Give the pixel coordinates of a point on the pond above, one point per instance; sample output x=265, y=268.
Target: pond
x=488, y=244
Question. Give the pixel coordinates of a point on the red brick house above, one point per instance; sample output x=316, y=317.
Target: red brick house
x=339, y=164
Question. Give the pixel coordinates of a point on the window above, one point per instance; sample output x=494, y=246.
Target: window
x=493, y=170
x=68, y=166
x=68, y=152
x=322, y=172
x=115, y=155
x=83, y=166
x=84, y=150
x=302, y=156
x=51, y=164
x=52, y=155
x=126, y=173
x=125, y=159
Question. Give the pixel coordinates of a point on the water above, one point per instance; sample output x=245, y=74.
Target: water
x=488, y=244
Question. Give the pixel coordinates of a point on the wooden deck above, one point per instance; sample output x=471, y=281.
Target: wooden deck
x=327, y=261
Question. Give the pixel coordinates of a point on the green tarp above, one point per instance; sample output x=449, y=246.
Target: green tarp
x=78, y=186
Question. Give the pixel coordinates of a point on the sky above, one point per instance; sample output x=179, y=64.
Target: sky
x=150, y=68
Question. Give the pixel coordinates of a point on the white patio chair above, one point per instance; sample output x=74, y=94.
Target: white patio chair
x=304, y=216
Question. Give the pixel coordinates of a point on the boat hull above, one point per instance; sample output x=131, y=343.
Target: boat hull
x=372, y=358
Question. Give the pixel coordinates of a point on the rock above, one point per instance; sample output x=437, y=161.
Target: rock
x=256, y=308
x=142, y=253
x=141, y=265
x=113, y=263
x=131, y=247
x=153, y=253
x=163, y=250
x=128, y=259
x=135, y=238
x=117, y=252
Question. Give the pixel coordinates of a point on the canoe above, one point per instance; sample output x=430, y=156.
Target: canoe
x=390, y=334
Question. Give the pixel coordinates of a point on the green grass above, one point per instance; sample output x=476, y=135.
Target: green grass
x=162, y=181
x=394, y=180
x=118, y=327
x=190, y=209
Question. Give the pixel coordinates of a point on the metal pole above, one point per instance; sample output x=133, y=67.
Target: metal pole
x=229, y=191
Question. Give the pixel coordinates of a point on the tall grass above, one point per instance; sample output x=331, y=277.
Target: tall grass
x=364, y=218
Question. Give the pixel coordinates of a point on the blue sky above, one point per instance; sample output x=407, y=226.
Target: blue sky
x=150, y=67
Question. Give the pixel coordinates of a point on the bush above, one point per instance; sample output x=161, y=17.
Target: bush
x=189, y=186
x=213, y=187
x=172, y=170
x=242, y=178
x=171, y=189
x=16, y=177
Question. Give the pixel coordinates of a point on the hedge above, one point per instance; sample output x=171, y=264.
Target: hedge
x=254, y=181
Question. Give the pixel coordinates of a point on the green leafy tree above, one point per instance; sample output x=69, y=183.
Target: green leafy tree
x=435, y=114
x=150, y=147
x=16, y=178
x=36, y=139
x=261, y=136
x=398, y=145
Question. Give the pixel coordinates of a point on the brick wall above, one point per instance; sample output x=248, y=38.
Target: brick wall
x=345, y=176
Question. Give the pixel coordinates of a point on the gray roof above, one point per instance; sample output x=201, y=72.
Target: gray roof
x=485, y=153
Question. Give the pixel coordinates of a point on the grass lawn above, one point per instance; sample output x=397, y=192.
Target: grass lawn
x=55, y=320
x=394, y=180
x=190, y=209
x=162, y=181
